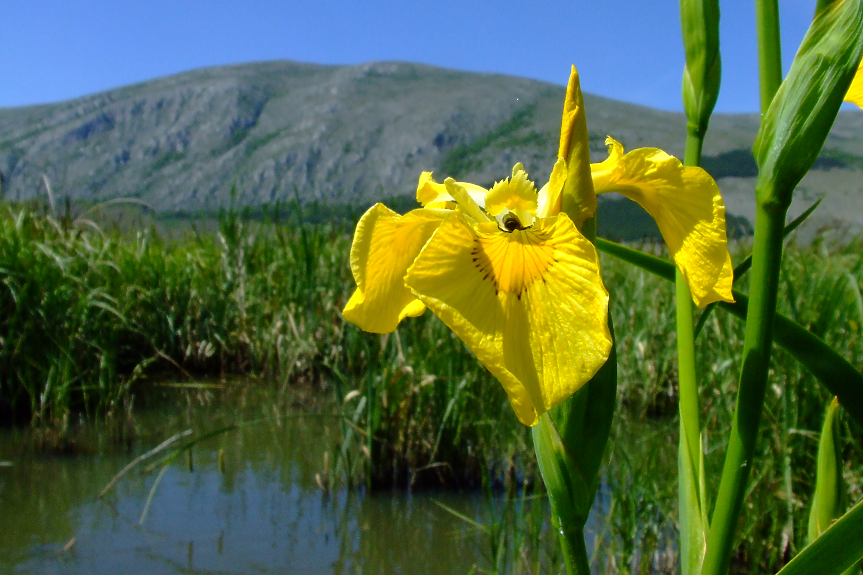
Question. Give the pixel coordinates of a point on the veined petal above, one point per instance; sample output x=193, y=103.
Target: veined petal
x=687, y=207
x=430, y=192
x=385, y=244
x=530, y=304
x=855, y=92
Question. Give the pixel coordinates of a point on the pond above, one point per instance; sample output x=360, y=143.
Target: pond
x=245, y=501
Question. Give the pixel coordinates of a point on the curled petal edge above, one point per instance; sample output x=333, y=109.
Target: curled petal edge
x=687, y=206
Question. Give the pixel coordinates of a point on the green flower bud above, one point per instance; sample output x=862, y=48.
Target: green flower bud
x=828, y=502
x=795, y=126
x=702, y=74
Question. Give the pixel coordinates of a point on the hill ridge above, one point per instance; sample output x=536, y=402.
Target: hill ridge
x=354, y=134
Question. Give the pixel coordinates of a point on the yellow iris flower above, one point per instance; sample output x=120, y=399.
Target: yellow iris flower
x=514, y=277
x=520, y=287
x=855, y=92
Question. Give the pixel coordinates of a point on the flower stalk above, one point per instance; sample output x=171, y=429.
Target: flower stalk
x=769, y=50
x=796, y=118
x=766, y=257
x=701, y=80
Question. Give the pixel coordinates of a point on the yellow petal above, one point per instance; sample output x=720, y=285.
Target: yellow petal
x=430, y=192
x=578, y=199
x=855, y=92
x=385, y=244
x=465, y=202
x=530, y=304
x=687, y=207
x=517, y=195
x=548, y=200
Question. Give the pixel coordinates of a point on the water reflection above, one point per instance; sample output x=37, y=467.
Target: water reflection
x=262, y=511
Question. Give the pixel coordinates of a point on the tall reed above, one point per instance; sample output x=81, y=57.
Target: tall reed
x=91, y=319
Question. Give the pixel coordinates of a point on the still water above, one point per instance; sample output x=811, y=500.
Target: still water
x=256, y=509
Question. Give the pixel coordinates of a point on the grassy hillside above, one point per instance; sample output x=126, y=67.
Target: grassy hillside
x=353, y=134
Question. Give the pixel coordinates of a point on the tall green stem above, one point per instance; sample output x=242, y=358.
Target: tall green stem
x=574, y=550
x=689, y=447
x=766, y=257
x=769, y=50
x=686, y=337
x=686, y=371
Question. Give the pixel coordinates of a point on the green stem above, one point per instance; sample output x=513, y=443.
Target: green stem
x=766, y=257
x=694, y=144
x=688, y=381
x=689, y=446
x=686, y=370
x=574, y=550
x=769, y=50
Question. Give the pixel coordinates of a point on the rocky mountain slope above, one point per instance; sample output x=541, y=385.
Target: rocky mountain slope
x=355, y=134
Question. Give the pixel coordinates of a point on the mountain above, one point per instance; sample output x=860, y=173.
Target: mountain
x=355, y=134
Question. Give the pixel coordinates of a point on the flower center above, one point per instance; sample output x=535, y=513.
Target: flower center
x=515, y=260
x=512, y=223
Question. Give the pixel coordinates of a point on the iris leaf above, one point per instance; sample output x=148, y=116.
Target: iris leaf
x=838, y=548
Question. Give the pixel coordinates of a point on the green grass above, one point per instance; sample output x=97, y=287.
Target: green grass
x=91, y=318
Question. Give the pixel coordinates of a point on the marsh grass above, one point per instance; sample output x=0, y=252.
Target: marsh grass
x=94, y=315
x=87, y=315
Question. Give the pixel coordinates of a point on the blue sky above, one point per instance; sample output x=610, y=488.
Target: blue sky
x=624, y=49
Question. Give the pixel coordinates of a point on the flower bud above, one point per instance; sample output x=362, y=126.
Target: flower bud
x=578, y=199
x=701, y=77
x=795, y=126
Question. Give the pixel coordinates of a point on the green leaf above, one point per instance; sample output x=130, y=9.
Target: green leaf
x=647, y=262
x=837, y=550
x=830, y=368
x=828, y=501
x=567, y=489
x=803, y=110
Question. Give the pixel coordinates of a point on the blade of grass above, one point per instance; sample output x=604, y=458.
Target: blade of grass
x=138, y=460
x=835, y=550
x=152, y=494
x=462, y=516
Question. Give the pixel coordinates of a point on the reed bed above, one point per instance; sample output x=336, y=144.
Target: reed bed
x=90, y=319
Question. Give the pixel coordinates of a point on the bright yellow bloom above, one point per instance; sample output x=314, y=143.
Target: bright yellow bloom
x=511, y=274
x=855, y=92
x=523, y=292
